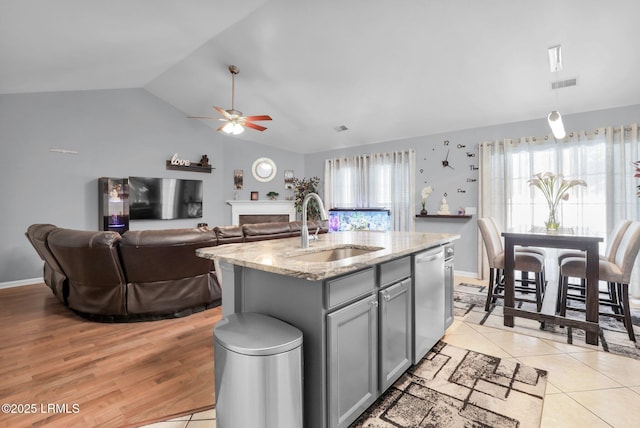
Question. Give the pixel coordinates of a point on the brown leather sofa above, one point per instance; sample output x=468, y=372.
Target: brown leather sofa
x=141, y=274
x=53, y=274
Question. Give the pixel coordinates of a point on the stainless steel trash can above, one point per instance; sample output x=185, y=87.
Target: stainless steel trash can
x=258, y=372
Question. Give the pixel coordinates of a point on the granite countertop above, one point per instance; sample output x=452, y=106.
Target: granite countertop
x=280, y=255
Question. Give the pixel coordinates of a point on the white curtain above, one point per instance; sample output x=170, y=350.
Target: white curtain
x=378, y=180
x=602, y=157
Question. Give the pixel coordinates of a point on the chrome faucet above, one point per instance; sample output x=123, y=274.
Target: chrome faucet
x=304, y=233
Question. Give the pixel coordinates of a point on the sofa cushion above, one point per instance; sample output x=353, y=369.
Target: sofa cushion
x=264, y=231
x=164, y=275
x=158, y=255
x=92, y=263
x=229, y=234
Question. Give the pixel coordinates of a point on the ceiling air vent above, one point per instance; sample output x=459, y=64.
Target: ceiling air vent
x=340, y=128
x=563, y=83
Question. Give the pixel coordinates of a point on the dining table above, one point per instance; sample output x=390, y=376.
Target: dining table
x=563, y=238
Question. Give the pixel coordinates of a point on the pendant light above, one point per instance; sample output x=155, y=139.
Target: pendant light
x=557, y=127
x=554, y=118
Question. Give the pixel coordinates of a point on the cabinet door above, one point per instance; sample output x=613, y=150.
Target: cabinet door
x=352, y=360
x=448, y=293
x=395, y=332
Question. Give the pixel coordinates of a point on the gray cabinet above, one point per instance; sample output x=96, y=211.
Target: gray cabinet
x=395, y=332
x=359, y=367
x=352, y=352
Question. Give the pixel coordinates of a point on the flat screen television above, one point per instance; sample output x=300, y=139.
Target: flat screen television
x=164, y=198
x=344, y=219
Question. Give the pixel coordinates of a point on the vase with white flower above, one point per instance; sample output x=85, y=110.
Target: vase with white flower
x=425, y=194
x=555, y=188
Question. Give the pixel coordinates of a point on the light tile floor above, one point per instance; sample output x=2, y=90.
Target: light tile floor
x=585, y=388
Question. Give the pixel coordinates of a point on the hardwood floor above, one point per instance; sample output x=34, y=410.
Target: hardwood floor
x=107, y=375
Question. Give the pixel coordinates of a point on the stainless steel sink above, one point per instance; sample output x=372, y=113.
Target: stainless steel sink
x=334, y=253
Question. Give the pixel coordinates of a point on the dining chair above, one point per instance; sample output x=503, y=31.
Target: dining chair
x=524, y=262
x=524, y=276
x=616, y=272
x=613, y=242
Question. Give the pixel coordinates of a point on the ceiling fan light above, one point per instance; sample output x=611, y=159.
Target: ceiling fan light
x=228, y=128
x=237, y=129
x=233, y=128
x=557, y=127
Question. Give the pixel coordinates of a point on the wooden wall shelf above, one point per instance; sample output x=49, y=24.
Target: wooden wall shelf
x=194, y=167
x=442, y=216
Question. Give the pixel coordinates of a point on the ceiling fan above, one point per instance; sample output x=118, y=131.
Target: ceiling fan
x=235, y=121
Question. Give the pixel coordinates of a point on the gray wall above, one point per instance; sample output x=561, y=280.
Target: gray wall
x=430, y=151
x=117, y=133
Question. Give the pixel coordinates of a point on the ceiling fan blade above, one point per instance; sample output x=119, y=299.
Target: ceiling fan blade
x=222, y=112
x=254, y=126
x=260, y=117
x=203, y=117
x=220, y=127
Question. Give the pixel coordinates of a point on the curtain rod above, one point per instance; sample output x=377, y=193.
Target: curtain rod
x=570, y=134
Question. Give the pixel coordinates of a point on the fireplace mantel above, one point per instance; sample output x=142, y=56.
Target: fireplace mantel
x=247, y=207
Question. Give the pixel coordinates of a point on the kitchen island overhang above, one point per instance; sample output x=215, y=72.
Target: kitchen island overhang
x=279, y=255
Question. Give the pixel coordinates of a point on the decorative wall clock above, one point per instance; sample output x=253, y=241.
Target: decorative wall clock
x=445, y=162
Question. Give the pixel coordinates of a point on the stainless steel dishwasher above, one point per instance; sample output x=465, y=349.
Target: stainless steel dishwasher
x=448, y=285
x=429, y=311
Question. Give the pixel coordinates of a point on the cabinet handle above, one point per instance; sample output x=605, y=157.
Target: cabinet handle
x=374, y=303
x=426, y=259
x=386, y=297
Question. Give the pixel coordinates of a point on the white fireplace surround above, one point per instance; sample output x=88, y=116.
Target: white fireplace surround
x=245, y=207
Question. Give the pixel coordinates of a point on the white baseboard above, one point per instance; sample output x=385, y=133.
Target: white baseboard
x=467, y=274
x=20, y=283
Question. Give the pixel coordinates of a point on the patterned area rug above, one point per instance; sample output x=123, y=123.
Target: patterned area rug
x=454, y=387
x=469, y=306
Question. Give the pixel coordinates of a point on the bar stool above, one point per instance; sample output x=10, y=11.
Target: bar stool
x=524, y=262
x=612, y=246
x=616, y=272
x=524, y=275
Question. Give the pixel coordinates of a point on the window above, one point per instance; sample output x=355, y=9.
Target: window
x=379, y=180
x=603, y=158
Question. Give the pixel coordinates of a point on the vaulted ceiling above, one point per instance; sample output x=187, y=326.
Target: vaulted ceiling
x=384, y=69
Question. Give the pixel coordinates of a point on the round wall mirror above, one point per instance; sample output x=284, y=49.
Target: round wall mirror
x=264, y=169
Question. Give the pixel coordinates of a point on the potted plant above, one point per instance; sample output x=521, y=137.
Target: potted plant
x=301, y=188
x=273, y=195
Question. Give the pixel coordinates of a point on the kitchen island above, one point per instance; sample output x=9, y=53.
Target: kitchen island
x=369, y=304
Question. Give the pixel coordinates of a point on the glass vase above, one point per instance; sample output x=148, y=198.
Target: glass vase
x=552, y=223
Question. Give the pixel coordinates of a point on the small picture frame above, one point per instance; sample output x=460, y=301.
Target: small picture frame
x=238, y=178
x=254, y=196
x=288, y=179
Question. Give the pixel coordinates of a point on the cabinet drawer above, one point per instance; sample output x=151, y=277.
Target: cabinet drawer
x=349, y=287
x=395, y=270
